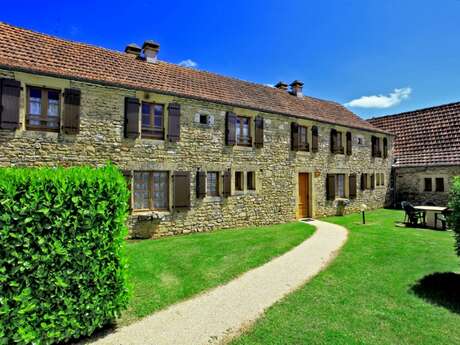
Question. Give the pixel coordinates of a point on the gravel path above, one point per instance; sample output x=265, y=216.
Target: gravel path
x=218, y=315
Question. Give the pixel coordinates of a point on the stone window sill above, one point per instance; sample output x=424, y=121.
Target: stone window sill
x=212, y=199
x=150, y=215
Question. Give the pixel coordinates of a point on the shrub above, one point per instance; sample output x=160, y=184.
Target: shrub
x=454, y=204
x=62, y=264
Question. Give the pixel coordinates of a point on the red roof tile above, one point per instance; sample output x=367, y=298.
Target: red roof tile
x=425, y=137
x=25, y=50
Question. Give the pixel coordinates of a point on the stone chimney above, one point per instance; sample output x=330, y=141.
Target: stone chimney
x=133, y=49
x=296, y=88
x=151, y=50
x=281, y=85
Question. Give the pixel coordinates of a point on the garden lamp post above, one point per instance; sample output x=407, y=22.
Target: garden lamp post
x=363, y=211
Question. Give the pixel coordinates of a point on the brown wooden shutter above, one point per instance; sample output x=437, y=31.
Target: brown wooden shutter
x=349, y=144
x=352, y=186
x=259, y=132
x=314, y=139
x=385, y=147
x=174, y=122
x=132, y=123
x=227, y=184
x=181, y=189
x=373, y=143
x=10, y=91
x=334, y=141
x=200, y=184
x=71, y=114
x=373, y=181
x=294, y=136
x=128, y=175
x=230, y=128
x=330, y=187
x=363, y=181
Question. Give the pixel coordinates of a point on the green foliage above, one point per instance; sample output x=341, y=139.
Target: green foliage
x=454, y=204
x=62, y=261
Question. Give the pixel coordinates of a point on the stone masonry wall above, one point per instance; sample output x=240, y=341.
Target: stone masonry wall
x=410, y=184
x=200, y=146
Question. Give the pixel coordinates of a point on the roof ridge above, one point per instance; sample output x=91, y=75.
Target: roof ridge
x=440, y=106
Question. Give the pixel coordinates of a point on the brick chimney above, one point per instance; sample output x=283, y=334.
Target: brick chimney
x=296, y=88
x=151, y=50
x=281, y=85
x=133, y=49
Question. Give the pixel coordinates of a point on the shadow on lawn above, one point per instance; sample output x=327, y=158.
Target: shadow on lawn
x=441, y=288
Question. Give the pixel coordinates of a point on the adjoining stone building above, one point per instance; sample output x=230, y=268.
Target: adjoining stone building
x=426, y=153
x=200, y=151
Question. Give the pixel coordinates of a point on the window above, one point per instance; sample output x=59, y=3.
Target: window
x=243, y=131
x=203, y=119
x=251, y=180
x=378, y=179
x=428, y=184
x=238, y=180
x=360, y=140
x=376, y=152
x=439, y=184
x=151, y=190
x=352, y=186
x=336, y=142
x=153, y=120
x=382, y=179
x=43, y=109
x=303, y=138
x=212, y=184
x=364, y=184
x=340, y=182
x=314, y=139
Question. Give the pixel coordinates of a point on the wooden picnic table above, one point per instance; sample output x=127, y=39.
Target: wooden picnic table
x=431, y=213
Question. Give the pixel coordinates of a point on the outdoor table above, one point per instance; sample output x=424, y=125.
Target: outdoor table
x=430, y=212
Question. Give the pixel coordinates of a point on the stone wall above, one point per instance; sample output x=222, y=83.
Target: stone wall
x=200, y=146
x=410, y=184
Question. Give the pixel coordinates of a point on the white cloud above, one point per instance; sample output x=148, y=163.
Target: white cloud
x=188, y=63
x=381, y=101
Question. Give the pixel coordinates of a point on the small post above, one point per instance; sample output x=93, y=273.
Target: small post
x=363, y=211
x=364, y=217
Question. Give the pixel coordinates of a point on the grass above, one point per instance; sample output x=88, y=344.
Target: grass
x=382, y=289
x=166, y=271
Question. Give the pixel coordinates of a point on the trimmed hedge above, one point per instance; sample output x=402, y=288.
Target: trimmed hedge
x=454, y=204
x=62, y=263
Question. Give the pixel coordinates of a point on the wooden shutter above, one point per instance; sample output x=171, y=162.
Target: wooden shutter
x=259, y=132
x=352, y=186
x=174, y=122
x=294, y=136
x=128, y=175
x=374, y=146
x=334, y=141
x=10, y=91
x=330, y=187
x=71, y=114
x=200, y=184
x=181, y=189
x=349, y=144
x=132, y=123
x=230, y=128
x=385, y=147
x=314, y=139
x=373, y=181
x=227, y=184
x=363, y=181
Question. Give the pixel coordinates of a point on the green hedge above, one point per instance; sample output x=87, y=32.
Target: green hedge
x=62, y=263
x=454, y=204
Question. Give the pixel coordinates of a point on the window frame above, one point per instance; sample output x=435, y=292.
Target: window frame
x=238, y=138
x=302, y=132
x=337, y=189
x=150, y=190
x=44, y=105
x=152, y=131
x=215, y=192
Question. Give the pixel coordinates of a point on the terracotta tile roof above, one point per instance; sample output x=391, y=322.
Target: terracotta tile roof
x=425, y=137
x=25, y=50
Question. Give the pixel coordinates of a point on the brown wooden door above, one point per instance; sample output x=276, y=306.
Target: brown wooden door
x=303, y=198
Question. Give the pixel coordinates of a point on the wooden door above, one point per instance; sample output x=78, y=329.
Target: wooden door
x=303, y=198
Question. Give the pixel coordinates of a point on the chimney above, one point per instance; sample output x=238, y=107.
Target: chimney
x=151, y=50
x=281, y=85
x=133, y=49
x=296, y=88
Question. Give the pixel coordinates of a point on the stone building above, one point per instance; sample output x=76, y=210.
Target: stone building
x=426, y=153
x=200, y=151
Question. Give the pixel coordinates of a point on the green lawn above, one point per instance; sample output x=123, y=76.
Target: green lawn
x=165, y=271
x=372, y=293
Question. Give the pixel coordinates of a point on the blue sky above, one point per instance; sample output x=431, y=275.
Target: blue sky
x=397, y=54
